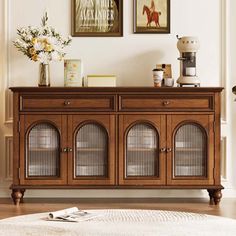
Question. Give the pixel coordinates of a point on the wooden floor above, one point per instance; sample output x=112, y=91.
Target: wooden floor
x=227, y=207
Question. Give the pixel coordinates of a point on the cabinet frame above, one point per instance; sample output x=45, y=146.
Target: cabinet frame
x=27, y=123
x=125, y=123
x=119, y=102
x=205, y=122
x=75, y=122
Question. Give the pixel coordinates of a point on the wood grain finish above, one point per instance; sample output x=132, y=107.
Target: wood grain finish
x=66, y=102
x=204, y=121
x=176, y=187
x=150, y=103
x=158, y=123
x=16, y=138
x=75, y=122
x=117, y=109
x=27, y=123
x=117, y=90
x=217, y=139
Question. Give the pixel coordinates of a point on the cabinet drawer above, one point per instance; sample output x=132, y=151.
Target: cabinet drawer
x=169, y=102
x=67, y=102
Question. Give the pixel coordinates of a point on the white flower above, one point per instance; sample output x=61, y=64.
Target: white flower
x=21, y=43
x=17, y=41
x=43, y=57
x=24, y=45
x=23, y=30
x=40, y=31
x=53, y=41
x=39, y=46
x=34, y=30
x=55, y=56
x=41, y=43
x=42, y=38
x=28, y=37
x=58, y=48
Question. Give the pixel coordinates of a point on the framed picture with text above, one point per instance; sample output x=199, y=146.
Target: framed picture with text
x=97, y=18
x=152, y=16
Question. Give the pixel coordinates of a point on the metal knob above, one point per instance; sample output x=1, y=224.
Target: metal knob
x=66, y=103
x=168, y=150
x=166, y=103
x=64, y=150
x=70, y=150
x=162, y=149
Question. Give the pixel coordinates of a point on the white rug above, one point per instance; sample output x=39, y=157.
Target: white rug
x=122, y=222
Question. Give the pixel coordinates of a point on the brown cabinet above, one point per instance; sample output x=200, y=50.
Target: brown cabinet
x=158, y=138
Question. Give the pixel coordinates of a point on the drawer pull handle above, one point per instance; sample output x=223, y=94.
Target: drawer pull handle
x=67, y=103
x=166, y=103
x=70, y=150
x=168, y=150
x=162, y=149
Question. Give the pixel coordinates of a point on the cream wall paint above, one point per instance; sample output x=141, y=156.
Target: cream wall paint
x=1, y=95
x=232, y=101
x=131, y=58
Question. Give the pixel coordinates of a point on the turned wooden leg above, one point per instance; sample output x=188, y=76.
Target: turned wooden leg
x=217, y=196
x=211, y=193
x=23, y=193
x=16, y=196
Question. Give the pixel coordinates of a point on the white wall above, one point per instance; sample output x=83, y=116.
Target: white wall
x=232, y=103
x=131, y=58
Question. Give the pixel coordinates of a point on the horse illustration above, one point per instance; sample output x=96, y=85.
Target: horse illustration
x=151, y=16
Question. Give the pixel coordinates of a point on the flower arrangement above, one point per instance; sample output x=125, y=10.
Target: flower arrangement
x=42, y=44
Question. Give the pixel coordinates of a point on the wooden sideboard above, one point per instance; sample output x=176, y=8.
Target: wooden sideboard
x=116, y=138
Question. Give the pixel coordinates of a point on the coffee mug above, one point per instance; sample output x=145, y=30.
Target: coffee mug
x=157, y=77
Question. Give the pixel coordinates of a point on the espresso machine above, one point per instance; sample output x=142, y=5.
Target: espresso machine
x=188, y=47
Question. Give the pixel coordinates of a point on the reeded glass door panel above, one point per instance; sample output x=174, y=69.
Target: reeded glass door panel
x=43, y=151
x=141, y=151
x=190, y=157
x=91, y=151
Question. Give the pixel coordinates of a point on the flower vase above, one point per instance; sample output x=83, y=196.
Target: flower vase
x=44, y=75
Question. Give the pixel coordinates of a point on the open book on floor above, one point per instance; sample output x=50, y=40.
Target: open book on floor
x=71, y=215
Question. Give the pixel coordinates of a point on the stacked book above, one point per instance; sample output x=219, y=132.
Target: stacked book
x=100, y=81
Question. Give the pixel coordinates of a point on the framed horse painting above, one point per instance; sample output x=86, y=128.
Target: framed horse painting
x=152, y=16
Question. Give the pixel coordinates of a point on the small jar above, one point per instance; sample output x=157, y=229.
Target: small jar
x=169, y=82
x=157, y=77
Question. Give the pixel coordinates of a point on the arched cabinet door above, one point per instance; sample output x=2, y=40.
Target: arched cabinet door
x=190, y=151
x=92, y=155
x=142, y=150
x=42, y=161
x=91, y=150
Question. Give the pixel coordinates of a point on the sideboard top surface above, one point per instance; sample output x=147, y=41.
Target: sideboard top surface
x=118, y=89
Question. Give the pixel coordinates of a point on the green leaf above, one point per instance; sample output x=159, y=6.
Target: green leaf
x=45, y=19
